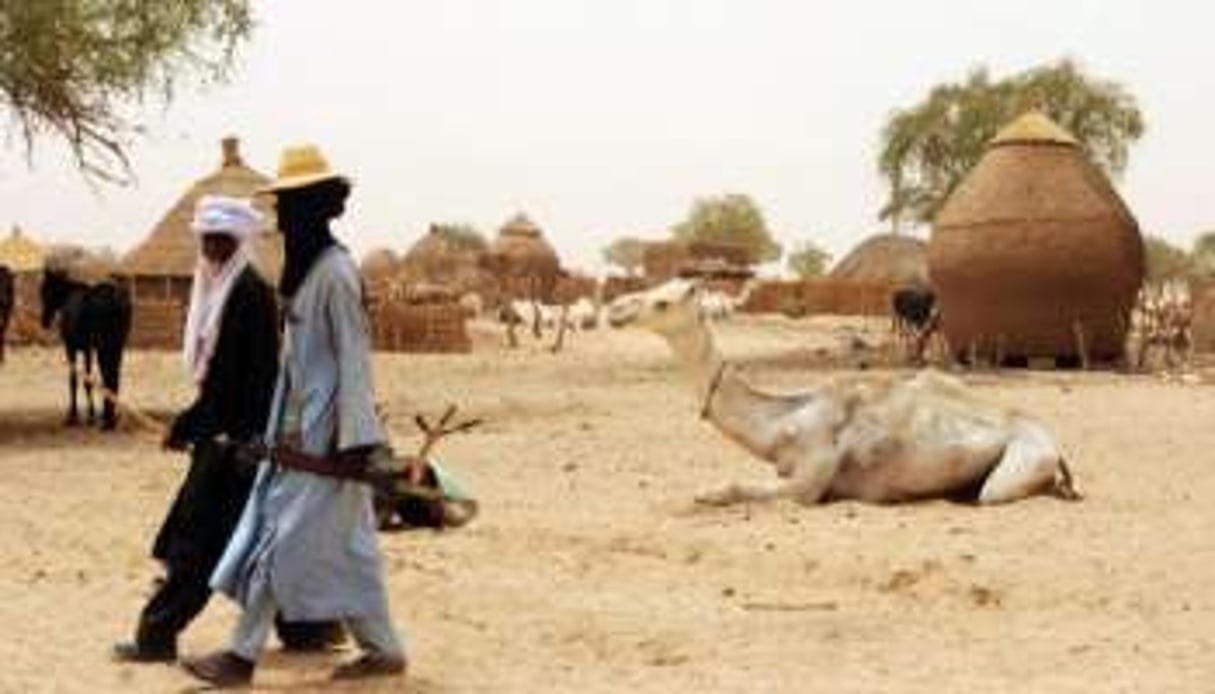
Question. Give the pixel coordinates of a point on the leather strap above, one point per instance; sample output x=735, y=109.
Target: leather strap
x=335, y=467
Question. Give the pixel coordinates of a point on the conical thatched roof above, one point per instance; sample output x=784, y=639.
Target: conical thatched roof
x=902, y=260
x=439, y=259
x=379, y=264
x=20, y=253
x=171, y=250
x=522, y=250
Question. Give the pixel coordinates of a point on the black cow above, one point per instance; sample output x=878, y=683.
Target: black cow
x=914, y=318
x=94, y=321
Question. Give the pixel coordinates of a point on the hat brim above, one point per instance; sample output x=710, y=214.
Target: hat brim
x=295, y=182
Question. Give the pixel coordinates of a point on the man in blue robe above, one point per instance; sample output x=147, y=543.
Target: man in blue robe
x=306, y=543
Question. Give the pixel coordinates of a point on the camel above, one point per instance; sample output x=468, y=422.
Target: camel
x=903, y=440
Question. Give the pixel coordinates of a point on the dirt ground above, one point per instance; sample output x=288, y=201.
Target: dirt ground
x=589, y=570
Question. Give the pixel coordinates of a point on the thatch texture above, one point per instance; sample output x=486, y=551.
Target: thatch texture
x=893, y=258
x=170, y=250
x=1035, y=254
x=402, y=327
x=19, y=253
x=437, y=259
x=521, y=256
x=25, y=257
x=157, y=324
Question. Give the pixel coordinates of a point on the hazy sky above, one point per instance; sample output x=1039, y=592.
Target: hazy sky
x=608, y=117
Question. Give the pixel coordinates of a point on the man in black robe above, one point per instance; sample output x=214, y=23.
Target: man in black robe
x=231, y=349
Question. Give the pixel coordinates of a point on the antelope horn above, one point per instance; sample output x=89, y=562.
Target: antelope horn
x=447, y=415
x=464, y=426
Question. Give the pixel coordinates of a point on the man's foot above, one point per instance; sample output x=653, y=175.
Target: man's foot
x=221, y=670
x=370, y=665
x=310, y=637
x=132, y=652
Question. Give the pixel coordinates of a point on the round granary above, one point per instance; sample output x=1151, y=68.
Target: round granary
x=1034, y=254
x=525, y=263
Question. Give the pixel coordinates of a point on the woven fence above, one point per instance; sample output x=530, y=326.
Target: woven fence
x=614, y=287
x=821, y=296
x=1202, y=327
x=157, y=324
x=25, y=327
x=425, y=328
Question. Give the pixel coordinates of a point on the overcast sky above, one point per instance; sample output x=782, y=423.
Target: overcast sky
x=608, y=117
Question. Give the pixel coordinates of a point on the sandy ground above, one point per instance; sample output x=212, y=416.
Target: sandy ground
x=589, y=570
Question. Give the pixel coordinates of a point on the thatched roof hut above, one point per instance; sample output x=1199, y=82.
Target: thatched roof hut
x=1034, y=254
x=891, y=258
x=20, y=254
x=520, y=255
x=439, y=258
x=170, y=251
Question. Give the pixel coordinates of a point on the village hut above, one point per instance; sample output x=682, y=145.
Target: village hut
x=25, y=258
x=895, y=259
x=524, y=264
x=442, y=259
x=162, y=266
x=21, y=254
x=1034, y=255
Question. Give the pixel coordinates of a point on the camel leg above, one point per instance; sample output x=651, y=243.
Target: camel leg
x=1029, y=465
x=809, y=484
x=733, y=493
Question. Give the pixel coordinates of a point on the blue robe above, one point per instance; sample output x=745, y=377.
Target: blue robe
x=311, y=540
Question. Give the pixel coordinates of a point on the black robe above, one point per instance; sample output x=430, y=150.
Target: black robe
x=233, y=400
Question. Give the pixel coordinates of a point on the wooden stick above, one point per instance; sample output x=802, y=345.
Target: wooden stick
x=1081, y=344
x=149, y=422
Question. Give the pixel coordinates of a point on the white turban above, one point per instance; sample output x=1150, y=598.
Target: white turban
x=221, y=214
x=215, y=214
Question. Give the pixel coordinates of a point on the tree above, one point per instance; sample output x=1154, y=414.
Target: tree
x=68, y=67
x=929, y=148
x=808, y=260
x=626, y=253
x=1165, y=261
x=463, y=237
x=732, y=219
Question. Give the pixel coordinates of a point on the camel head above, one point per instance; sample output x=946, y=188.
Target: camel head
x=668, y=309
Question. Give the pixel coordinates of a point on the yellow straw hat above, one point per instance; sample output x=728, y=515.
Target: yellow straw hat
x=301, y=166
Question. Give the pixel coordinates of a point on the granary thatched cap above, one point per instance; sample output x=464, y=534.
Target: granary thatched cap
x=520, y=225
x=1033, y=128
x=20, y=253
